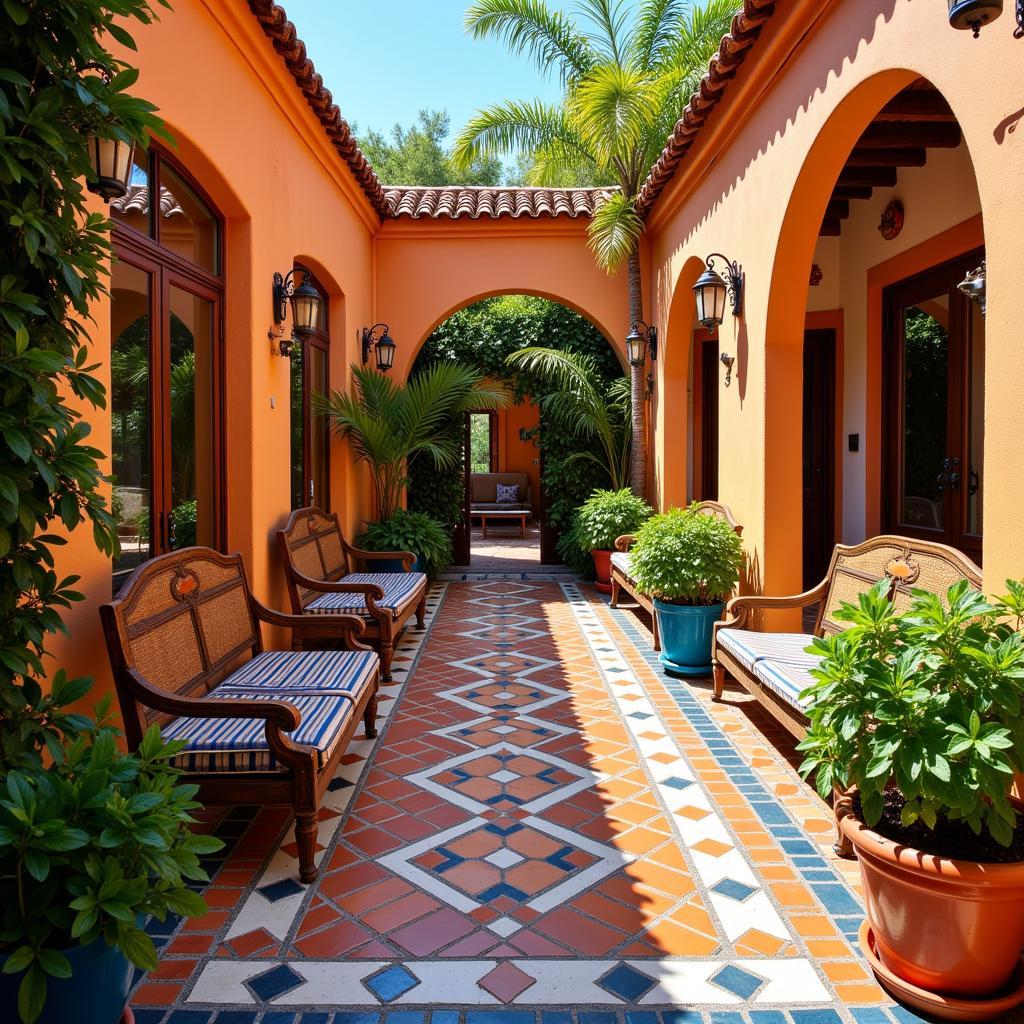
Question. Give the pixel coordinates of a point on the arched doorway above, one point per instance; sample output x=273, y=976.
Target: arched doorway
x=874, y=357
x=520, y=447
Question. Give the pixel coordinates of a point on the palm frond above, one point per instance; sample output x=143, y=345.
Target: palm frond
x=698, y=35
x=526, y=125
x=614, y=231
x=530, y=27
x=657, y=25
x=610, y=110
x=609, y=18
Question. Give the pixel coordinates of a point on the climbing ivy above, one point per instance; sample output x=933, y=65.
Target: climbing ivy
x=483, y=336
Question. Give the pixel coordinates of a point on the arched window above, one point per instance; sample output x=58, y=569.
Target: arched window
x=310, y=480
x=167, y=295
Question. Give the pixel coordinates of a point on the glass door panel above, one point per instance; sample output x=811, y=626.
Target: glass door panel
x=924, y=477
x=297, y=421
x=131, y=415
x=975, y=477
x=318, y=428
x=192, y=448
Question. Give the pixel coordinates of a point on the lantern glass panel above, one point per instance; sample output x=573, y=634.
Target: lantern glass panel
x=385, y=353
x=305, y=301
x=636, y=349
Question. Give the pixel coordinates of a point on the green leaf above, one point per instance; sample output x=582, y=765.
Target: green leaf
x=32, y=994
x=55, y=963
x=138, y=947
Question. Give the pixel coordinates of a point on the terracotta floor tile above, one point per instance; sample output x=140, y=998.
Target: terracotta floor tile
x=430, y=933
x=402, y=911
x=579, y=933
x=339, y=938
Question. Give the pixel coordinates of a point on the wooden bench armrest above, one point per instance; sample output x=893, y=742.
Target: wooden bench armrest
x=350, y=626
x=737, y=611
x=337, y=586
x=625, y=542
x=407, y=557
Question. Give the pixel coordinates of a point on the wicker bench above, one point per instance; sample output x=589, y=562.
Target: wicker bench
x=318, y=565
x=623, y=581
x=258, y=726
x=776, y=667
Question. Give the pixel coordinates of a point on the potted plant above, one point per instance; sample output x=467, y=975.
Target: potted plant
x=916, y=715
x=689, y=563
x=89, y=847
x=426, y=538
x=601, y=520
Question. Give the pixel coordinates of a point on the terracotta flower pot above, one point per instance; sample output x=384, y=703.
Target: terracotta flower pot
x=603, y=568
x=953, y=927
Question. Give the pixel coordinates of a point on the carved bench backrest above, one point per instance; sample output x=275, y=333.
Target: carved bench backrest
x=311, y=545
x=182, y=621
x=719, y=511
x=907, y=563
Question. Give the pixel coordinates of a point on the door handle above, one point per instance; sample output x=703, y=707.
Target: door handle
x=170, y=531
x=950, y=475
x=975, y=482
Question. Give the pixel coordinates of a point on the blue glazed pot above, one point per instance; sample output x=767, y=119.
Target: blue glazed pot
x=395, y=565
x=686, y=636
x=95, y=993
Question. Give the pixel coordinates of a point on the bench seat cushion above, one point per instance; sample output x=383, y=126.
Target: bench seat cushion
x=622, y=562
x=785, y=679
x=777, y=660
x=499, y=506
x=401, y=589
x=305, y=673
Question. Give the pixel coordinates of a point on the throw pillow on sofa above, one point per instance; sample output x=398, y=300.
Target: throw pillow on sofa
x=508, y=494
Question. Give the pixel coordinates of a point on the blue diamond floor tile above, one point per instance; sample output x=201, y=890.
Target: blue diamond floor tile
x=737, y=981
x=275, y=982
x=626, y=982
x=677, y=783
x=391, y=983
x=280, y=890
x=734, y=890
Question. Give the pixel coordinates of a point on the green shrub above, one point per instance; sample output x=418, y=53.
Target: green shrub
x=607, y=515
x=185, y=524
x=88, y=845
x=929, y=701
x=686, y=557
x=411, y=531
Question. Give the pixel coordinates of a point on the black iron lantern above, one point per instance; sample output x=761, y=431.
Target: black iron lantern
x=636, y=346
x=711, y=292
x=974, y=14
x=305, y=302
x=382, y=343
x=111, y=161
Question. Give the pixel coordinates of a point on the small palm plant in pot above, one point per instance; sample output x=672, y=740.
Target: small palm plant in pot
x=689, y=563
x=601, y=520
x=916, y=715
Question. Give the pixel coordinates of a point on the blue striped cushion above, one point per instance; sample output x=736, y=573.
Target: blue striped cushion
x=786, y=679
x=749, y=647
x=400, y=590
x=240, y=744
x=311, y=673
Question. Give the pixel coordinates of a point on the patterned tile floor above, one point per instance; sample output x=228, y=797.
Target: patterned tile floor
x=548, y=831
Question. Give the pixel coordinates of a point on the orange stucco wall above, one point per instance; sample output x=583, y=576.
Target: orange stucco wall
x=755, y=185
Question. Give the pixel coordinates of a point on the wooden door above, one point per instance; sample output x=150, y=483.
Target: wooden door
x=462, y=534
x=549, y=535
x=818, y=454
x=933, y=441
x=706, y=488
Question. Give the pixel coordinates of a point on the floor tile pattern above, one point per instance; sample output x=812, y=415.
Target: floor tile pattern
x=548, y=831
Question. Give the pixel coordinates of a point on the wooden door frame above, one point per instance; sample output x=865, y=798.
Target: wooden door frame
x=954, y=506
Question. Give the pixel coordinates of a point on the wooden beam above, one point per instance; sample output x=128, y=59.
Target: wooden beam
x=831, y=228
x=901, y=134
x=887, y=158
x=875, y=177
x=852, y=192
x=837, y=209
x=922, y=105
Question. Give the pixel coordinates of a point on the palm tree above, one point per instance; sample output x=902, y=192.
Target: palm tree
x=579, y=404
x=390, y=425
x=626, y=77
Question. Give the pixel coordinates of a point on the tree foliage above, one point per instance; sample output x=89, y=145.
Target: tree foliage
x=419, y=155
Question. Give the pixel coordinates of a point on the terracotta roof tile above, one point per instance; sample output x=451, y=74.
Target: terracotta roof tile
x=456, y=201
x=136, y=200
x=292, y=50
x=746, y=27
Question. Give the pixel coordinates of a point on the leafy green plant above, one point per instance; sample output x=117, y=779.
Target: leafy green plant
x=411, y=531
x=390, y=425
x=575, y=399
x=627, y=72
x=927, y=700
x=87, y=847
x=185, y=523
x=686, y=557
x=607, y=515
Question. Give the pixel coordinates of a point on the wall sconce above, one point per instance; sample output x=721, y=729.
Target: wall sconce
x=111, y=159
x=305, y=302
x=973, y=286
x=728, y=362
x=642, y=335
x=976, y=14
x=711, y=291
x=383, y=344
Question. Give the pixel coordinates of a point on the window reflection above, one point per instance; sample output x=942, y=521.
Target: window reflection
x=187, y=225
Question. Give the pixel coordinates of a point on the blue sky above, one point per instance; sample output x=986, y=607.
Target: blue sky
x=384, y=60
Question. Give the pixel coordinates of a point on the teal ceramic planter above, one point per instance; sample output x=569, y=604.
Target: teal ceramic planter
x=686, y=636
x=95, y=993
x=394, y=565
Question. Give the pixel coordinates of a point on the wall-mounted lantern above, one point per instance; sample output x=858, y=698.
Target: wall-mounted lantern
x=111, y=159
x=305, y=302
x=711, y=291
x=728, y=362
x=973, y=286
x=640, y=337
x=383, y=344
x=976, y=14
